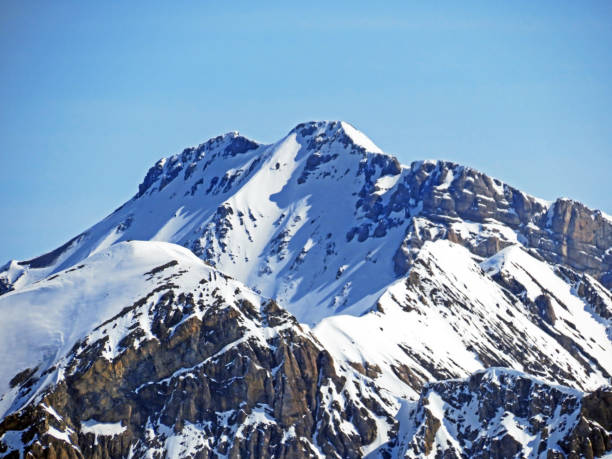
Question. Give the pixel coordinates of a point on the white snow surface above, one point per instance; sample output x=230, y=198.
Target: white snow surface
x=275, y=207
x=108, y=429
x=276, y=217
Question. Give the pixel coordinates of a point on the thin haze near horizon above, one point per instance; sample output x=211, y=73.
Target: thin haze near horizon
x=94, y=93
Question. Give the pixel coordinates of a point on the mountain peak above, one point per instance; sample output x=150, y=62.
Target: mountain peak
x=336, y=129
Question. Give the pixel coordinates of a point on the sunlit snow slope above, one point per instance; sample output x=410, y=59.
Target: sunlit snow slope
x=42, y=321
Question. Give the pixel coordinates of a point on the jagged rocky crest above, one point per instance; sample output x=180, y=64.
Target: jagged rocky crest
x=366, y=302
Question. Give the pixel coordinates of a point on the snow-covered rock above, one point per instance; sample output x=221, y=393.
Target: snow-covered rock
x=144, y=350
x=454, y=315
x=504, y=413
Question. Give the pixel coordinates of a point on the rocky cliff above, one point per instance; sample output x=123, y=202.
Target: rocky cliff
x=199, y=369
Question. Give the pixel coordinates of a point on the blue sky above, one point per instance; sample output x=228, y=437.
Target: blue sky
x=93, y=93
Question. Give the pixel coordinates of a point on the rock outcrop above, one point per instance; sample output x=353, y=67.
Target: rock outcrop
x=445, y=194
x=501, y=413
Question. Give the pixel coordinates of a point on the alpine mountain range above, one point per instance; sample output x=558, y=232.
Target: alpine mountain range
x=313, y=298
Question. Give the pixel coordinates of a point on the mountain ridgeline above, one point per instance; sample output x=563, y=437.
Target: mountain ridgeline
x=313, y=298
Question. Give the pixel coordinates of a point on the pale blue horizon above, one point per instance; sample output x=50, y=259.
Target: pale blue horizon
x=94, y=94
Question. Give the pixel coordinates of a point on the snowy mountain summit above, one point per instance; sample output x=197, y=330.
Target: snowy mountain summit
x=313, y=298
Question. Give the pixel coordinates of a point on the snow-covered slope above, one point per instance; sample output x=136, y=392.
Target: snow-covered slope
x=41, y=322
x=275, y=217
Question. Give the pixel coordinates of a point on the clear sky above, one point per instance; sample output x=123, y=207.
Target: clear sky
x=93, y=93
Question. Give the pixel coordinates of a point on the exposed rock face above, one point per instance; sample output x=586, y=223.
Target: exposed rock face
x=231, y=144
x=597, y=408
x=5, y=286
x=500, y=413
x=585, y=287
x=195, y=374
x=444, y=193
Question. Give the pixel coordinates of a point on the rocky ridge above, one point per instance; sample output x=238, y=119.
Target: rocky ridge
x=230, y=197
x=200, y=369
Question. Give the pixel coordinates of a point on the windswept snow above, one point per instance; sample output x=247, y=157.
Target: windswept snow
x=360, y=138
